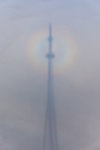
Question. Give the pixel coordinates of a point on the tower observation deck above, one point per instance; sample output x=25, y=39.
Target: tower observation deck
x=50, y=141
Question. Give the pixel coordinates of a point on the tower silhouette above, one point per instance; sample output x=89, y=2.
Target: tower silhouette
x=50, y=141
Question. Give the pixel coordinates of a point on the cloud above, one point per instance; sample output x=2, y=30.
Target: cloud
x=23, y=89
x=4, y=145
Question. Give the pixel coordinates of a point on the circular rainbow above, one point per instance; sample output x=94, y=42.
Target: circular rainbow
x=64, y=48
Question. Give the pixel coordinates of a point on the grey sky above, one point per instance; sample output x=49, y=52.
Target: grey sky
x=23, y=87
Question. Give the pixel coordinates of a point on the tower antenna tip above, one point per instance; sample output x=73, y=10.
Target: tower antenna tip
x=50, y=25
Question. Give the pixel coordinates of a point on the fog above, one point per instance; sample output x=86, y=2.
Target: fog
x=23, y=73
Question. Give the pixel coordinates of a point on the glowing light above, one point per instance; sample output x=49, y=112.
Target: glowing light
x=64, y=48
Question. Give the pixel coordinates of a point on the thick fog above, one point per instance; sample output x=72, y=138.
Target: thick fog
x=23, y=75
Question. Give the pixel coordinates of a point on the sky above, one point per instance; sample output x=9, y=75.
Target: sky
x=23, y=72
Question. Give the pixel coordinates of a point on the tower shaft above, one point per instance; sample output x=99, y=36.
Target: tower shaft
x=50, y=131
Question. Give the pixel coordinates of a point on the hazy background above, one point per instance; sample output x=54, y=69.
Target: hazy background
x=23, y=85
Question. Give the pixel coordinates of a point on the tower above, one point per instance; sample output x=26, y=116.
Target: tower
x=50, y=130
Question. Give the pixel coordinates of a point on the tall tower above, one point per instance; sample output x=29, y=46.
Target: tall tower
x=50, y=131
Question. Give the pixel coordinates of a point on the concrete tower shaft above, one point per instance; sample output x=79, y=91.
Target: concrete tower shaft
x=50, y=130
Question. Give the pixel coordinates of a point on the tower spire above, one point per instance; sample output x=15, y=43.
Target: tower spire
x=50, y=131
x=50, y=39
x=50, y=30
